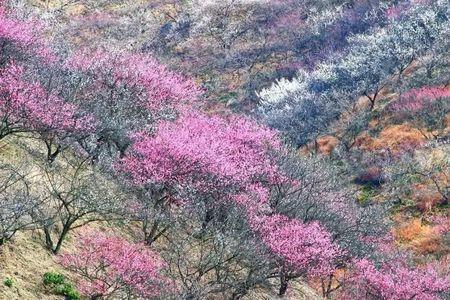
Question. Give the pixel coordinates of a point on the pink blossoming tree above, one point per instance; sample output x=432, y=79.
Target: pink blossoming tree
x=110, y=266
x=425, y=107
x=27, y=103
x=159, y=87
x=25, y=106
x=208, y=159
x=196, y=148
x=19, y=39
x=304, y=249
x=125, y=92
x=397, y=281
x=418, y=99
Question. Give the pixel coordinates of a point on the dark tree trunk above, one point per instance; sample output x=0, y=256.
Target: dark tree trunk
x=62, y=236
x=283, y=284
x=208, y=217
x=48, y=238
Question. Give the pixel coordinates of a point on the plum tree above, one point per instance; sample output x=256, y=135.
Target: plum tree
x=110, y=266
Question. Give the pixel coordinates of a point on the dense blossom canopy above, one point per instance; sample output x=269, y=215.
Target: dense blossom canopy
x=306, y=249
x=232, y=150
x=25, y=35
x=417, y=99
x=110, y=265
x=27, y=105
x=161, y=87
x=395, y=280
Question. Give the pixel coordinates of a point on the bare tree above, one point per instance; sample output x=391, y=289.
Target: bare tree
x=16, y=202
x=75, y=194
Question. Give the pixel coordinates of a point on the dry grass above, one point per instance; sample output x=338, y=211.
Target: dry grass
x=394, y=138
x=326, y=144
x=426, y=197
x=25, y=260
x=419, y=237
x=323, y=145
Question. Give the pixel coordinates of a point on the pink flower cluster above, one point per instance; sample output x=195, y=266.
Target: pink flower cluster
x=418, y=99
x=396, y=281
x=442, y=224
x=196, y=147
x=163, y=88
x=24, y=35
x=29, y=105
x=110, y=265
x=305, y=249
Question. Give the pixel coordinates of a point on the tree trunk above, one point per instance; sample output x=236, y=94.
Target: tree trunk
x=62, y=236
x=150, y=236
x=283, y=284
x=208, y=217
x=48, y=238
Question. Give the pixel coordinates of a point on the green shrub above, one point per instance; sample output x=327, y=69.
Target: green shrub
x=8, y=282
x=66, y=289
x=59, y=285
x=365, y=195
x=53, y=278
